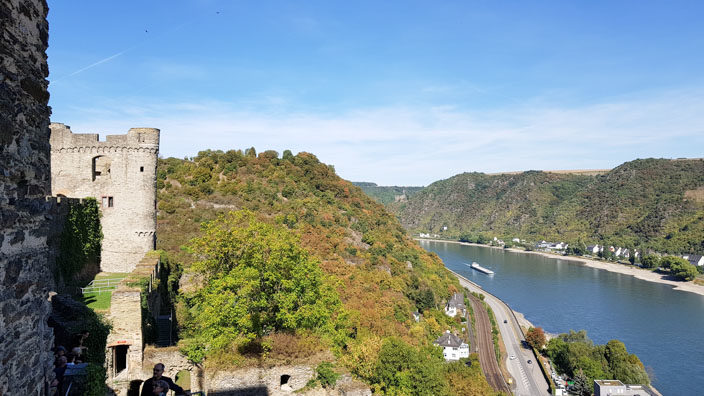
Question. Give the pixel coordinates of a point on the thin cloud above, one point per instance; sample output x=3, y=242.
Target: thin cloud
x=416, y=146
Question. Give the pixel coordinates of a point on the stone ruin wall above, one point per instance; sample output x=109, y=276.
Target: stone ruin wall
x=25, y=275
x=254, y=381
x=120, y=173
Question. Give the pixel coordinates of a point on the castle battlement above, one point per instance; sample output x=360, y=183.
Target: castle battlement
x=136, y=139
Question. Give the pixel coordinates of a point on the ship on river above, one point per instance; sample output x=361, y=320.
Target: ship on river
x=476, y=266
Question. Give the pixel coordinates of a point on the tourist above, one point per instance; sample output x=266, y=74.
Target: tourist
x=59, y=371
x=58, y=352
x=148, y=386
x=79, y=342
x=76, y=352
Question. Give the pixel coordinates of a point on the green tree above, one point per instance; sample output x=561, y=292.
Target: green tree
x=582, y=385
x=623, y=366
x=683, y=270
x=650, y=261
x=401, y=369
x=257, y=279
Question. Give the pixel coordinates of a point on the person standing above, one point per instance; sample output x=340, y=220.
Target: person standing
x=148, y=386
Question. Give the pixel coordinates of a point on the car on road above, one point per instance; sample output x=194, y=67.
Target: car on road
x=505, y=321
x=512, y=357
x=530, y=361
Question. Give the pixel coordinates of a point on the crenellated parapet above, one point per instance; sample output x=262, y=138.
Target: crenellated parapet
x=136, y=138
x=106, y=150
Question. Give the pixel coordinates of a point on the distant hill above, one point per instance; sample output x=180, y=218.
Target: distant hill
x=387, y=194
x=655, y=203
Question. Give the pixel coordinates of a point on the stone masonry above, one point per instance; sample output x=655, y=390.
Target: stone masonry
x=125, y=343
x=120, y=173
x=25, y=274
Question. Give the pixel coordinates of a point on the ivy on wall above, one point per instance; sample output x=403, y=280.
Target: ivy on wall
x=81, y=238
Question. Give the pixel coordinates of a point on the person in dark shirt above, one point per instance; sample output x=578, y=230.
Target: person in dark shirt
x=59, y=373
x=148, y=386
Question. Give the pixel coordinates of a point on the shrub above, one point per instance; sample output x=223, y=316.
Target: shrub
x=326, y=375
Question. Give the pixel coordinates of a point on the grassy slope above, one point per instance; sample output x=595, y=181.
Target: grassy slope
x=655, y=202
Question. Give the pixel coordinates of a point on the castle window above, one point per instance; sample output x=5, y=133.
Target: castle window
x=101, y=167
x=141, y=169
x=106, y=202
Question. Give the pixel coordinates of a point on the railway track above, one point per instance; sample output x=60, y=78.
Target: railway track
x=487, y=357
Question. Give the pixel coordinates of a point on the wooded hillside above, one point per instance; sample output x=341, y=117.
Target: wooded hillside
x=650, y=203
x=387, y=194
x=283, y=260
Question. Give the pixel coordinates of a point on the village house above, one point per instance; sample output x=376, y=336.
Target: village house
x=453, y=348
x=694, y=259
x=455, y=305
x=594, y=249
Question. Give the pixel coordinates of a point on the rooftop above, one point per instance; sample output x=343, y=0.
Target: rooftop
x=609, y=382
x=449, y=340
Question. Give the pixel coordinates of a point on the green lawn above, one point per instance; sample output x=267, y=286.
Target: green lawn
x=101, y=301
x=98, y=301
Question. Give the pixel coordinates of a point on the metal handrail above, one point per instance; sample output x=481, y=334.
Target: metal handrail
x=98, y=289
x=108, y=281
x=100, y=285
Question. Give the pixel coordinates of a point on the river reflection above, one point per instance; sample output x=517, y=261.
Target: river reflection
x=663, y=326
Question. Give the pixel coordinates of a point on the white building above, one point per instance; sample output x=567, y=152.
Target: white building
x=594, y=249
x=455, y=305
x=616, y=387
x=694, y=259
x=453, y=348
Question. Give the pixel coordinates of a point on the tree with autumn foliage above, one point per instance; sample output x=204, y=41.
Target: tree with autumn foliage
x=258, y=280
x=536, y=337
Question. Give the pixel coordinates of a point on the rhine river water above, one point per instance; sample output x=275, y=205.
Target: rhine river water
x=663, y=326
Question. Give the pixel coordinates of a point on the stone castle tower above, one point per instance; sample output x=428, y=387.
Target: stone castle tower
x=120, y=173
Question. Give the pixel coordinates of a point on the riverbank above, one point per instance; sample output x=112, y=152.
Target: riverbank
x=624, y=269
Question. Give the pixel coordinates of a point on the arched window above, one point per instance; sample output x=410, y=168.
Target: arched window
x=101, y=167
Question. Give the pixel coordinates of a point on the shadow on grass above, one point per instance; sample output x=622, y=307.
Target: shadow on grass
x=97, y=301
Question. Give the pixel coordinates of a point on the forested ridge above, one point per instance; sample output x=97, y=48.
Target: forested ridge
x=387, y=194
x=647, y=203
x=284, y=261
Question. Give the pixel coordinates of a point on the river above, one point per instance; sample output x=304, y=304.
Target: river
x=663, y=326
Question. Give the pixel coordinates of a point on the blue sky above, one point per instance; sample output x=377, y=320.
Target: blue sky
x=394, y=92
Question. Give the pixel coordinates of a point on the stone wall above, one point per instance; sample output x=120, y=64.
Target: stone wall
x=126, y=316
x=120, y=173
x=249, y=381
x=25, y=275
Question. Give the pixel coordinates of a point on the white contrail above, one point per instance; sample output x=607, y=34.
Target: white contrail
x=109, y=58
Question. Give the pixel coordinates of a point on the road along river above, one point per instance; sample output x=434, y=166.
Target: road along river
x=661, y=325
x=529, y=380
